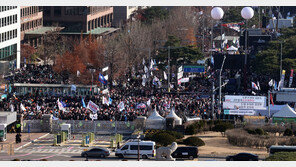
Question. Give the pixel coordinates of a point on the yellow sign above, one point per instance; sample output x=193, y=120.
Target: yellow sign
x=254, y=117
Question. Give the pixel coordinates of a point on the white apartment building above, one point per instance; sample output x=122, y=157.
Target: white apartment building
x=10, y=35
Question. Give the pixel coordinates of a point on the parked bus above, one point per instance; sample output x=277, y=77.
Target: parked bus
x=274, y=149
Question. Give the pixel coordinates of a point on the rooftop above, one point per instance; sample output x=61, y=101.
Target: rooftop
x=97, y=31
x=43, y=30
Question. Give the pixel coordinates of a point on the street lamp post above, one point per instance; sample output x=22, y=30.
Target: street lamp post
x=213, y=82
x=247, y=13
x=220, y=85
x=217, y=14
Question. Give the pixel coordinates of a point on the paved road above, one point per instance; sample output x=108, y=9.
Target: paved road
x=69, y=156
x=66, y=153
x=36, y=152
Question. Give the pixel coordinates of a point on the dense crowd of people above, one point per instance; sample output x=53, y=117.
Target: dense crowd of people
x=36, y=107
x=41, y=74
x=191, y=99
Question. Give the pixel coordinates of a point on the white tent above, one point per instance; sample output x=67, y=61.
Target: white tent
x=286, y=112
x=232, y=50
x=273, y=109
x=155, y=121
x=178, y=120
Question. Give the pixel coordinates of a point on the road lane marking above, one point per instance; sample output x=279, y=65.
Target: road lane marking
x=22, y=155
x=45, y=157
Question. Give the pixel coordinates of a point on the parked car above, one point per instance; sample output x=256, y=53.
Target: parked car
x=130, y=149
x=186, y=152
x=96, y=152
x=242, y=157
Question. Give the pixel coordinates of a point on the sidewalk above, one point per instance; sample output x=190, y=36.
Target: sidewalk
x=27, y=138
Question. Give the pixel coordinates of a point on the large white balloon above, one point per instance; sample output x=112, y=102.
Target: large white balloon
x=217, y=13
x=247, y=13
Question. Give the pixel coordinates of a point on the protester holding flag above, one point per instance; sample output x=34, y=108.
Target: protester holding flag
x=83, y=103
x=102, y=79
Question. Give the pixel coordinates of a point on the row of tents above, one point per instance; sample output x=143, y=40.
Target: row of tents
x=155, y=121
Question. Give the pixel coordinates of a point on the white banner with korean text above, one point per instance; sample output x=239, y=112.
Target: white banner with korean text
x=244, y=102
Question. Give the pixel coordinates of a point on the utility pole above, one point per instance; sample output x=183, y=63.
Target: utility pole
x=169, y=68
x=203, y=33
x=213, y=98
x=213, y=82
x=259, y=11
x=212, y=38
x=221, y=37
x=138, y=146
x=246, y=55
x=277, y=18
x=281, y=61
x=246, y=41
x=92, y=80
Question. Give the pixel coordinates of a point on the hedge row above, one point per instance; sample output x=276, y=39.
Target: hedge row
x=257, y=131
x=282, y=156
x=240, y=137
x=200, y=126
x=261, y=131
x=271, y=128
x=163, y=137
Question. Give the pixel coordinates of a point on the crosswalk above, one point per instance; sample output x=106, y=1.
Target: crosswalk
x=72, y=146
x=74, y=150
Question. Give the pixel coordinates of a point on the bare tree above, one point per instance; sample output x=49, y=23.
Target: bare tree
x=114, y=57
x=54, y=44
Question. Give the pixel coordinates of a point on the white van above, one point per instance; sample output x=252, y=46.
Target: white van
x=130, y=149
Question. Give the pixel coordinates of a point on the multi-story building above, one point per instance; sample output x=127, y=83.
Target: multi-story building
x=122, y=14
x=10, y=35
x=31, y=19
x=78, y=18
